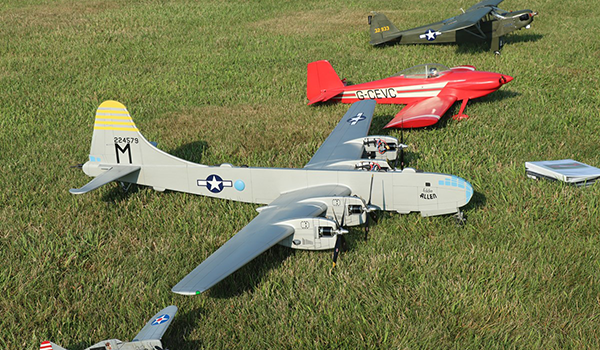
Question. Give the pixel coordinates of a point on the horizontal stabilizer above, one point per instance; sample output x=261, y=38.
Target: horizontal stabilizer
x=424, y=113
x=115, y=173
x=325, y=95
x=47, y=345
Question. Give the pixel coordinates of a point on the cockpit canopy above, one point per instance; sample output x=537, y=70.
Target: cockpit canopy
x=424, y=71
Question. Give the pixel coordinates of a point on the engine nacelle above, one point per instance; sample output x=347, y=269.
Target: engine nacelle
x=312, y=234
x=382, y=147
x=345, y=211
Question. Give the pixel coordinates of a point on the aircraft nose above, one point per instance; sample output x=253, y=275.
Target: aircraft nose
x=505, y=79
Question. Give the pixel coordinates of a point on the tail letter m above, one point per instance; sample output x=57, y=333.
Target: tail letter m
x=127, y=149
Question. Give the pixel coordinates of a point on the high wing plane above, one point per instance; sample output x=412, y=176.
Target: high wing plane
x=428, y=90
x=482, y=21
x=147, y=339
x=304, y=208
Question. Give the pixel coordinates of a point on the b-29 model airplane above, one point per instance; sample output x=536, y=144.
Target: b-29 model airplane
x=428, y=90
x=482, y=21
x=305, y=208
x=147, y=339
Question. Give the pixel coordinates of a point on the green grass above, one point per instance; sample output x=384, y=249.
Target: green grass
x=224, y=81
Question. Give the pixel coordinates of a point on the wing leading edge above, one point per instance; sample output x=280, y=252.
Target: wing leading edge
x=423, y=113
x=266, y=230
x=465, y=20
x=345, y=141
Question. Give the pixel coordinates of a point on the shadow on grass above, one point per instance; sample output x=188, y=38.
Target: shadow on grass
x=478, y=47
x=183, y=323
x=192, y=152
x=478, y=201
x=250, y=275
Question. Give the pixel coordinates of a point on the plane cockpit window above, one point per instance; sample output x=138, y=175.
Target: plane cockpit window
x=424, y=71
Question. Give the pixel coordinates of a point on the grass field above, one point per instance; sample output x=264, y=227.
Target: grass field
x=224, y=81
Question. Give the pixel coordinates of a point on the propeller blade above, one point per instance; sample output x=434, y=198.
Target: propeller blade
x=370, y=191
x=367, y=222
x=402, y=146
x=336, y=250
x=367, y=226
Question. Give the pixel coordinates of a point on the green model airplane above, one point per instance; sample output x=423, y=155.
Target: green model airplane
x=482, y=21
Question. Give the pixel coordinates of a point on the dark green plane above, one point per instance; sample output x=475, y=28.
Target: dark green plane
x=482, y=21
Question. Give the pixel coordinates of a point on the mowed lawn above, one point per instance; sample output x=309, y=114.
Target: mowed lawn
x=224, y=81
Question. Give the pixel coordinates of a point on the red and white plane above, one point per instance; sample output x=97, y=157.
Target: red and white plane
x=427, y=90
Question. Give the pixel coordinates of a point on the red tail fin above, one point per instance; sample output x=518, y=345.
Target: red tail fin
x=322, y=81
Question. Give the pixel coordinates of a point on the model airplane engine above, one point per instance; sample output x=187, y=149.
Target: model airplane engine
x=381, y=147
x=372, y=165
x=312, y=234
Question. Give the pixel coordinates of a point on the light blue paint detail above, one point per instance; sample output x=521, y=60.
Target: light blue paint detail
x=239, y=185
x=469, y=191
x=455, y=181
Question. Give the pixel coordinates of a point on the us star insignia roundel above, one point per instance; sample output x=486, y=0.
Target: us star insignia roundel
x=357, y=118
x=430, y=35
x=160, y=319
x=215, y=183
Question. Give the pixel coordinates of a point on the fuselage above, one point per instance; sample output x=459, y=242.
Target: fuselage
x=461, y=82
x=495, y=24
x=400, y=191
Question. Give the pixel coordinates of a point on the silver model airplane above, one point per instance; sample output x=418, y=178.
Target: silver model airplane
x=147, y=339
x=305, y=208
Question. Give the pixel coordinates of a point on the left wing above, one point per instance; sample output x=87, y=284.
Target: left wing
x=266, y=230
x=465, y=20
x=423, y=113
x=345, y=141
x=157, y=326
x=113, y=174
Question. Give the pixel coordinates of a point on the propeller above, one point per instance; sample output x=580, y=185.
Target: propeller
x=340, y=240
x=369, y=209
x=402, y=146
x=79, y=166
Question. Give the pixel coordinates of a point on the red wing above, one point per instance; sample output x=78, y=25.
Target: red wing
x=423, y=113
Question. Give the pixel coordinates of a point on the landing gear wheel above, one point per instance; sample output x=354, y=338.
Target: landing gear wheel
x=124, y=187
x=460, y=218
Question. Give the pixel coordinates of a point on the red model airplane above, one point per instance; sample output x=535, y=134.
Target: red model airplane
x=428, y=90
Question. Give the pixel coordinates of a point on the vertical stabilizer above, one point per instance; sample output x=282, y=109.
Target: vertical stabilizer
x=117, y=140
x=382, y=30
x=322, y=82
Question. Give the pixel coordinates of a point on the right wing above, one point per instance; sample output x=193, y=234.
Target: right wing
x=465, y=20
x=423, y=113
x=266, y=230
x=342, y=143
x=157, y=326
